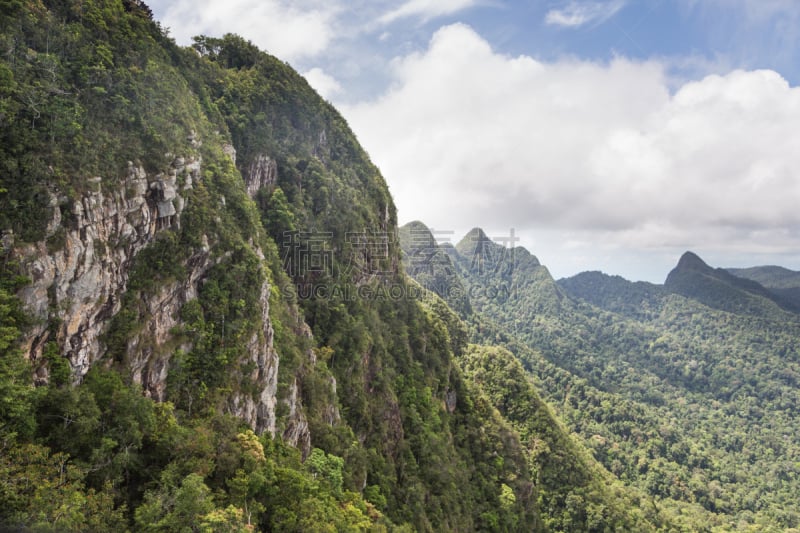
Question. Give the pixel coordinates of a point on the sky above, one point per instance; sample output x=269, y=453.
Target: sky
x=610, y=135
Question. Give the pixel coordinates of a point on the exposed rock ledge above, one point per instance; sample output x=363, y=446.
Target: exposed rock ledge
x=78, y=282
x=78, y=286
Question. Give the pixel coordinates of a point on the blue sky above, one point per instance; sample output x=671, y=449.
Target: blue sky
x=610, y=134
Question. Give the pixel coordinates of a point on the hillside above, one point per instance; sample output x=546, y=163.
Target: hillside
x=576, y=491
x=684, y=391
x=210, y=321
x=781, y=281
x=184, y=231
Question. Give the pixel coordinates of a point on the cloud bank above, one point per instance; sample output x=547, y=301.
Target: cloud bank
x=604, y=154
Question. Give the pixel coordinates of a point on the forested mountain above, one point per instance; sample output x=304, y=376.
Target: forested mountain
x=719, y=289
x=783, y=282
x=182, y=231
x=205, y=324
x=686, y=391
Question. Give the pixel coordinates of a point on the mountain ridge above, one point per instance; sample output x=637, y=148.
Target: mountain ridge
x=206, y=319
x=719, y=288
x=783, y=282
x=629, y=363
x=183, y=229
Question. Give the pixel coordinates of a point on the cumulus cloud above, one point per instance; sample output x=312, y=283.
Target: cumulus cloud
x=576, y=14
x=600, y=154
x=325, y=84
x=286, y=29
x=426, y=9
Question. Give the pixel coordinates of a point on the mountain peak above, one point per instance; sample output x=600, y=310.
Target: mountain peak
x=475, y=240
x=691, y=261
x=718, y=288
x=417, y=225
x=475, y=235
x=417, y=235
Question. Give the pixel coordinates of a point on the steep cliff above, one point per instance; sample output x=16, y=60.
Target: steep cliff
x=206, y=245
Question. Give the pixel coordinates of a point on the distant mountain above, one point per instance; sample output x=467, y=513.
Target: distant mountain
x=496, y=273
x=614, y=293
x=685, y=391
x=781, y=281
x=718, y=288
x=432, y=266
x=493, y=276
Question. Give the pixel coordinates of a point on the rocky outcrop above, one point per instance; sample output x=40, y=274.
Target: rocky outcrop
x=229, y=151
x=330, y=414
x=262, y=172
x=149, y=350
x=450, y=401
x=259, y=411
x=81, y=270
x=164, y=190
x=80, y=274
x=78, y=286
x=297, y=433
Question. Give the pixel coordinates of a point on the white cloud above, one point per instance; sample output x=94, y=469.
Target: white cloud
x=323, y=83
x=426, y=9
x=286, y=29
x=576, y=14
x=600, y=154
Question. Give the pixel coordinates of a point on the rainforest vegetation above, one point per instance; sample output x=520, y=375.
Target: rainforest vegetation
x=460, y=389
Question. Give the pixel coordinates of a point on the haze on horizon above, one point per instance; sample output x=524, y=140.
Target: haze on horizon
x=611, y=135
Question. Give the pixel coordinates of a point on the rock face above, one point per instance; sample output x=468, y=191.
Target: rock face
x=80, y=273
x=260, y=412
x=81, y=270
x=297, y=433
x=148, y=350
x=262, y=172
x=79, y=285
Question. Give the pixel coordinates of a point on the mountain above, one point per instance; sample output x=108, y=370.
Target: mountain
x=614, y=293
x=772, y=277
x=578, y=493
x=207, y=321
x=432, y=266
x=682, y=391
x=781, y=281
x=720, y=289
x=201, y=278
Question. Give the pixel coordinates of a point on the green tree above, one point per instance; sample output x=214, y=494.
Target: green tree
x=279, y=218
x=16, y=386
x=179, y=509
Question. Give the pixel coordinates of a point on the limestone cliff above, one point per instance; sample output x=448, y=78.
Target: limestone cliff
x=80, y=273
x=165, y=276
x=78, y=285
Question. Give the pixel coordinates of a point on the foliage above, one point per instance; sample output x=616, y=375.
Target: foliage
x=575, y=492
x=16, y=392
x=409, y=427
x=397, y=435
x=683, y=391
